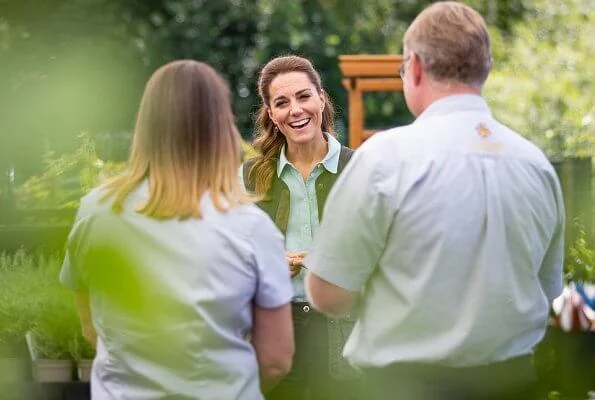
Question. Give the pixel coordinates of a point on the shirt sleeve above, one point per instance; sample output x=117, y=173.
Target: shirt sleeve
x=357, y=217
x=274, y=284
x=72, y=273
x=551, y=271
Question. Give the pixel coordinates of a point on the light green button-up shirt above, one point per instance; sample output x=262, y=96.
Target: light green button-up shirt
x=303, y=206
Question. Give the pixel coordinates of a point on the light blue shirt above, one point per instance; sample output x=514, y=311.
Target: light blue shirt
x=452, y=230
x=303, y=205
x=172, y=300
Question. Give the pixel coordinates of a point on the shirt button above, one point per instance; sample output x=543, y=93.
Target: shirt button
x=306, y=308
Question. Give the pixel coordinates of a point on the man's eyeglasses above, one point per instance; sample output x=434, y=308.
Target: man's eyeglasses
x=402, y=67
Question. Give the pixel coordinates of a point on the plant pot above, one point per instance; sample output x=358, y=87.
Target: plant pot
x=47, y=370
x=13, y=370
x=83, y=370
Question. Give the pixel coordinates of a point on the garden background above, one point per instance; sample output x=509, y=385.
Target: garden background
x=72, y=73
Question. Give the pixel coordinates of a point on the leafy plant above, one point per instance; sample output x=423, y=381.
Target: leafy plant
x=55, y=321
x=32, y=299
x=19, y=299
x=80, y=349
x=70, y=176
x=66, y=178
x=13, y=320
x=580, y=262
x=541, y=73
x=56, y=327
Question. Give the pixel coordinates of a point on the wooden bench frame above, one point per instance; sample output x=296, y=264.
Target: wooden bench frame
x=367, y=73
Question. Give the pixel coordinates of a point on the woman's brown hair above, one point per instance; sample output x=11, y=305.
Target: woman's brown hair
x=185, y=143
x=269, y=140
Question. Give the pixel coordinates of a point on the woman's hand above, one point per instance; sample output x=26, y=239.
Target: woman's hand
x=295, y=260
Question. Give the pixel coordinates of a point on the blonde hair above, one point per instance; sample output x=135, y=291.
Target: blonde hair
x=452, y=42
x=185, y=143
x=269, y=140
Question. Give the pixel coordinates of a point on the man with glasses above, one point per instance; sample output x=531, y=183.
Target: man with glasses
x=447, y=233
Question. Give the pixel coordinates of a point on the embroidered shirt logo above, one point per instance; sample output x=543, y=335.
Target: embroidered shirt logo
x=483, y=130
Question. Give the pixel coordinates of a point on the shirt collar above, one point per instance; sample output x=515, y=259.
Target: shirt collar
x=455, y=103
x=330, y=162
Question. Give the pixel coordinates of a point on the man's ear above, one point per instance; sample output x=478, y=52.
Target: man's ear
x=416, y=69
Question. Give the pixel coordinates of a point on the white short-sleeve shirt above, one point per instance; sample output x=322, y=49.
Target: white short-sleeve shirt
x=452, y=230
x=172, y=300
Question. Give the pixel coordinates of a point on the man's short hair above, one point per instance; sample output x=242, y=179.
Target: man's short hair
x=452, y=42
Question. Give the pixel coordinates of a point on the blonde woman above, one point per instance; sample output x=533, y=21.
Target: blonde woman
x=180, y=281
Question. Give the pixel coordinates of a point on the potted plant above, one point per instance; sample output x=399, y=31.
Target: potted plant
x=54, y=326
x=83, y=354
x=49, y=363
x=16, y=314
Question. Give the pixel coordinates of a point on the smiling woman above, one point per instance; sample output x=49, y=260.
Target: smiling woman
x=299, y=162
x=295, y=111
x=296, y=108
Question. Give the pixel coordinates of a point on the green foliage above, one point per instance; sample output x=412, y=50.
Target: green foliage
x=221, y=33
x=17, y=305
x=248, y=151
x=55, y=324
x=543, y=73
x=32, y=299
x=580, y=261
x=66, y=178
x=67, y=66
x=75, y=65
x=80, y=349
